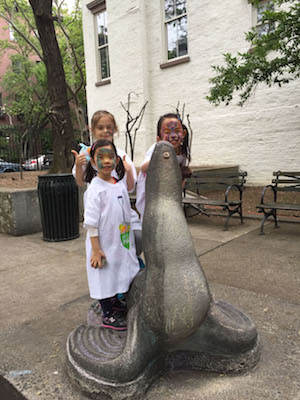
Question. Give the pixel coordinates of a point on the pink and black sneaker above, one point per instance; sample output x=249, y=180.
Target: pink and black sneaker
x=115, y=321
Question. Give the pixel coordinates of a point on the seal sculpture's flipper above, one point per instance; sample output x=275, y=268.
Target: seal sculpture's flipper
x=173, y=321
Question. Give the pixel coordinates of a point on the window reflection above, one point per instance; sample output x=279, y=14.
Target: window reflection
x=169, y=9
x=177, y=38
x=103, y=53
x=102, y=29
x=104, y=59
x=176, y=28
x=180, y=7
x=264, y=28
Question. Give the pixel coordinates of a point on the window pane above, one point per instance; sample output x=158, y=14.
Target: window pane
x=262, y=8
x=172, y=39
x=169, y=9
x=180, y=7
x=177, y=38
x=182, y=36
x=104, y=62
x=265, y=28
x=102, y=28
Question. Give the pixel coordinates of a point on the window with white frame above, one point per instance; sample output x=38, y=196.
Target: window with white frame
x=176, y=28
x=102, y=45
x=262, y=28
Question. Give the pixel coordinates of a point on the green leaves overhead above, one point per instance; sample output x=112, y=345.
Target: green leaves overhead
x=273, y=57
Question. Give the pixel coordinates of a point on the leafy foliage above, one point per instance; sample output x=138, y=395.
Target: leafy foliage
x=25, y=83
x=273, y=59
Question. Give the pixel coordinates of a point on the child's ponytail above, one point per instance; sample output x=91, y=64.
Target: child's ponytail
x=120, y=168
x=89, y=173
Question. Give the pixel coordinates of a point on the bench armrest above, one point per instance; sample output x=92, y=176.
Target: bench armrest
x=230, y=187
x=264, y=191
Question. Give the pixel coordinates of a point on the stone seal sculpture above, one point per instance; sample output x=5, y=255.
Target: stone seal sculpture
x=173, y=321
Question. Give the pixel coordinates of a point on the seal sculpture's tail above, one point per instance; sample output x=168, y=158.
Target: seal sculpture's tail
x=173, y=321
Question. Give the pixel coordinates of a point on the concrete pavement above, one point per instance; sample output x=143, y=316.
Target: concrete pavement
x=44, y=295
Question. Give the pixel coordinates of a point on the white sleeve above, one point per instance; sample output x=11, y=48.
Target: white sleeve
x=83, y=167
x=149, y=154
x=74, y=170
x=93, y=232
x=92, y=208
x=121, y=154
x=130, y=162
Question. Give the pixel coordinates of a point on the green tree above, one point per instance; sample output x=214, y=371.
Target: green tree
x=66, y=82
x=26, y=85
x=273, y=59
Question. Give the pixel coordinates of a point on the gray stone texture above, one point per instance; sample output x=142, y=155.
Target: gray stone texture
x=173, y=320
x=19, y=211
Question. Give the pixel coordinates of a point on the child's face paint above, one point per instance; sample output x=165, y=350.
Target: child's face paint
x=171, y=131
x=105, y=159
x=104, y=128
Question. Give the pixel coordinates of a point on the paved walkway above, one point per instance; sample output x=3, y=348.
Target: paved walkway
x=44, y=295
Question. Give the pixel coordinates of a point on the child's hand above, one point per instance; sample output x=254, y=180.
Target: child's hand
x=80, y=159
x=127, y=166
x=98, y=259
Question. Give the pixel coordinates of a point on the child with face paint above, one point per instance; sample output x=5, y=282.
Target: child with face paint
x=171, y=129
x=111, y=259
x=104, y=126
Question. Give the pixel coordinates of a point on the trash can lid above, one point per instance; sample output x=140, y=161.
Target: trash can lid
x=46, y=176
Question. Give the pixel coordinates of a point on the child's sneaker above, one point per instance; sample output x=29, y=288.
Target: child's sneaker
x=116, y=322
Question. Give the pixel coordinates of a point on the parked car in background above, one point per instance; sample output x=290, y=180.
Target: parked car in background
x=43, y=161
x=7, y=166
x=34, y=163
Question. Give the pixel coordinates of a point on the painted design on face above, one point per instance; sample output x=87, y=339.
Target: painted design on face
x=104, y=128
x=172, y=132
x=106, y=158
x=108, y=132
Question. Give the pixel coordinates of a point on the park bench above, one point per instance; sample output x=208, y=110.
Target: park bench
x=283, y=182
x=196, y=188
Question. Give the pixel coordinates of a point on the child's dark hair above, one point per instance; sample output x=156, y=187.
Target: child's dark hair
x=185, y=148
x=90, y=171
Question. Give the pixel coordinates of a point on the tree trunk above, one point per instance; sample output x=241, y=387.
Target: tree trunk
x=63, y=134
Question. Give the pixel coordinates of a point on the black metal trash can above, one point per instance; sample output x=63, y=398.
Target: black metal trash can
x=59, y=206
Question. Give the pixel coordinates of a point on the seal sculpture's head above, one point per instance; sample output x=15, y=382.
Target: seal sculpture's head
x=174, y=277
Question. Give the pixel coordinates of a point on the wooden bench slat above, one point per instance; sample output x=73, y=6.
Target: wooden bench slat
x=288, y=189
x=289, y=181
x=280, y=206
x=284, y=173
x=187, y=200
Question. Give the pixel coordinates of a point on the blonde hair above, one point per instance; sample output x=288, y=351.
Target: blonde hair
x=101, y=113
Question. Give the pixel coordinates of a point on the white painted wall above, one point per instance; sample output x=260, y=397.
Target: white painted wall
x=261, y=137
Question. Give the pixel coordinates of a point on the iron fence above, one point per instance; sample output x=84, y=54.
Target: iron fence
x=29, y=151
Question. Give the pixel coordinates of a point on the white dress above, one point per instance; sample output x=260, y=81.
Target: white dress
x=141, y=181
x=107, y=208
x=141, y=184
x=135, y=221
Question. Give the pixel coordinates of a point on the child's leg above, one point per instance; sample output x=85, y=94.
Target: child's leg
x=106, y=305
x=119, y=303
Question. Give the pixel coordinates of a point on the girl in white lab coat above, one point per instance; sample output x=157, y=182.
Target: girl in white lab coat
x=111, y=259
x=104, y=126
